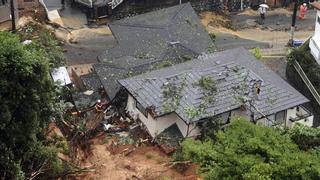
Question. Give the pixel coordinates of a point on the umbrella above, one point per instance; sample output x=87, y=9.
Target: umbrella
x=264, y=5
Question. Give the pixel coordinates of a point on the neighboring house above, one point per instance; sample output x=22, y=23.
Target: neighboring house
x=98, y=8
x=122, y=8
x=218, y=85
x=315, y=40
x=150, y=41
x=5, y=13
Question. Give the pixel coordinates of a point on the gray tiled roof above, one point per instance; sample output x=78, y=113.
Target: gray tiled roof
x=230, y=70
x=173, y=34
x=151, y=34
x=91, y=81
x=109, y=75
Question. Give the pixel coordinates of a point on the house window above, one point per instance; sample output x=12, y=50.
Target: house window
x=28, y=0
x=141, y=109
x=280, y=116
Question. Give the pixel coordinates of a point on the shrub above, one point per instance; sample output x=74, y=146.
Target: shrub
x=212, y=36
x=248, y=151
x=256, y=52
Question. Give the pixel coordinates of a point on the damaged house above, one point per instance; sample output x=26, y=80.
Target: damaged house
x=151, y=41
x=214, y=86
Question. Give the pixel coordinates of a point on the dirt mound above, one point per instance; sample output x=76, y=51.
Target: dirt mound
x=141, y=163
x=214, y=19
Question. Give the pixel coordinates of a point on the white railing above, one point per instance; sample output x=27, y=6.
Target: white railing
x=115, y=3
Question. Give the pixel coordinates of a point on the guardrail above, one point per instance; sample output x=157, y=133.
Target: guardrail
x=306, y=80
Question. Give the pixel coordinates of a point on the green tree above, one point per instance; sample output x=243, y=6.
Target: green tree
x=26, y=104
x=305, y=137
x=248, y=151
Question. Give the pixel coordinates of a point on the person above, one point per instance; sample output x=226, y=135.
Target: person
x=303, y=10
x=262, y=10
x=99, y=106
x=285, y=3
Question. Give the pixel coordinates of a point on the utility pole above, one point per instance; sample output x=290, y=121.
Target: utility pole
x=293, y=24
x=13, y=16
x=180, y=1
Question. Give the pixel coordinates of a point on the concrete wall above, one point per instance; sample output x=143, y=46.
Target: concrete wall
x=316, y=36
x=156, y=126
x=293, y=113
x=289, y=114
x=5, y=13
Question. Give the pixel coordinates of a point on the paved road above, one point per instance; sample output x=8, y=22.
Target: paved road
x=278, y=19
x=89, y=43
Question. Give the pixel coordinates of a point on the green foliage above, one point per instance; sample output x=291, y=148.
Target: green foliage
x=172, y=94
x=125, y=140
x=307, y=63
x=305, y=137
x=60, y=143
x=212, y=36
x=170, y=62
x=209, y=90
x=207, y=84
x=248, y=151
x=143, y=55
x=27, y=98
x=193, y=112
x=211, y=48
x=190, y=23
x=45, y=42
x=210, y=126
x=256, y=52
x=185, y=57
x=165, y=63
